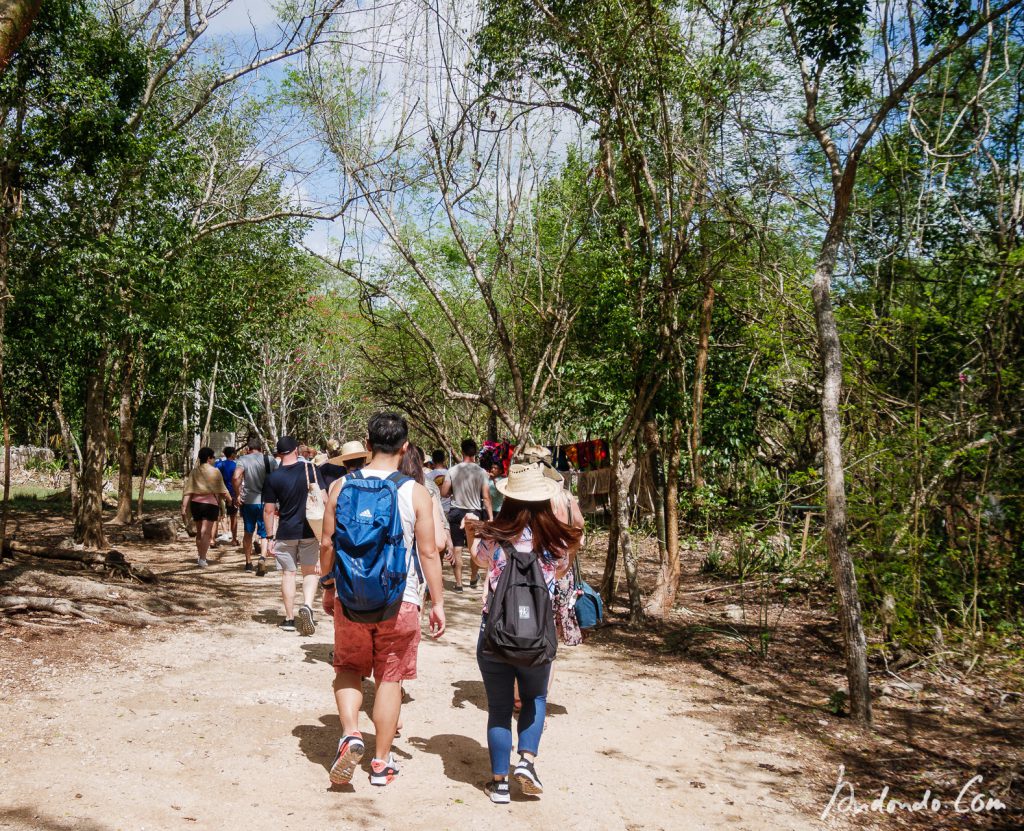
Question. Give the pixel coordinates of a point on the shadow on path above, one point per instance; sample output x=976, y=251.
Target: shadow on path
x=267, y=616
x=465, y=760
x=26, y=817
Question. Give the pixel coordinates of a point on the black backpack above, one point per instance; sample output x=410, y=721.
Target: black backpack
x=520, y=628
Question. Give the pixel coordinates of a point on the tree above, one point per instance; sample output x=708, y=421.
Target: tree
x=455, y=189
x=828, y=43
x=16, y=19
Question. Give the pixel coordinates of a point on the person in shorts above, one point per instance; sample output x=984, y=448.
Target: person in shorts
x=386, y=650
x=226, y=466
x=251, y=473
x=203, y=492
x=293, y=543
x=468, y=485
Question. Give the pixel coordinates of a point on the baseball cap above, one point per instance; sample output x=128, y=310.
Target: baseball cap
x=286, y=444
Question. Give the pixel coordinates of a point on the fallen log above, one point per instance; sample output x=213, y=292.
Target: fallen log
x=88, y=557
x=112, y=560
x=54, y=605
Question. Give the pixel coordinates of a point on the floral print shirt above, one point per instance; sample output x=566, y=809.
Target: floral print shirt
x=496, y=555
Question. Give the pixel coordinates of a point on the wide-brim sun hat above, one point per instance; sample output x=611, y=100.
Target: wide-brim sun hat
x=527, y=483
x=536, y=453
x=353, y=450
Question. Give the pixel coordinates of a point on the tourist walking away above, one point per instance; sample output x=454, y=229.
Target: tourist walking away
x=294, y=544
x=525, y=549
x=226, y=466
x=204, y=492
x=436, y=474
x=332, y=467
x=254, y=466
x=378, y=522
x=567, y=509
x=354, y=455
x=349, y=457
x=468, y=486
x=412, y=465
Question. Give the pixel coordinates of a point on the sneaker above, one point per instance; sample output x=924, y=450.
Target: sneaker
x=304, y=621
x=498, y=791
x=527, y=778
x=287, y=625
x=473, y=583
x=248, y=568
x=350, y=753
x=225, y=537
x=202, y=563
x=459, y=588
x=261, y=566
x=383, y=773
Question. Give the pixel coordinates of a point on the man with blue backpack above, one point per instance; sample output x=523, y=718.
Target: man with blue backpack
x=377, y=549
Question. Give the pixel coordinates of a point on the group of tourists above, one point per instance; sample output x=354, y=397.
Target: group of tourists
x=371, y=524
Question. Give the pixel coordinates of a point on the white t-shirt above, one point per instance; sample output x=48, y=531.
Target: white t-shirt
x=408, y=515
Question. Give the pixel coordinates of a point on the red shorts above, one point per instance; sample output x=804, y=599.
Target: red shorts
x=388, y=648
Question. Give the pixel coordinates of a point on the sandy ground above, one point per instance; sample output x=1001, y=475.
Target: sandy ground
x=230, y=723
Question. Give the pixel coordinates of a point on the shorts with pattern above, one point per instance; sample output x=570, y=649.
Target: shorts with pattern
x=386, y=649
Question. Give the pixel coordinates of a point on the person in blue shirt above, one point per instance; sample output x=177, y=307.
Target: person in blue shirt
x=227, y=466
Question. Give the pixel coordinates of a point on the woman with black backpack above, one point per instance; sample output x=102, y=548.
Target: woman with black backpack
x=525, y=549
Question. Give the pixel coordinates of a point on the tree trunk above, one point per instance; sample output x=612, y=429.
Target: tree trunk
x=664, y=599
x=700, y=371
x=71, y=456
x=150, y=449
x=16, y=19
x=89, y=520
x=131, y=398
x=10, y=209
x=205, y=440
x=492, y=426
x=623, y=469
x=611, y=559
x=657, y=473
x=835, y=485
x=186, y=439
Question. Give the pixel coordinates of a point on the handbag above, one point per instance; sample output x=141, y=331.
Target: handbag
x=588, y=606
x=314, y=503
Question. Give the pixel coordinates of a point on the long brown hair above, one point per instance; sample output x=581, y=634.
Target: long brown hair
x=550, y=534
x=411, y=463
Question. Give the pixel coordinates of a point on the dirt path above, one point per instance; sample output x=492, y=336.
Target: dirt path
x=230, y=724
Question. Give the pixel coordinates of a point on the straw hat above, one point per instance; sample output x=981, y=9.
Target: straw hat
x=527, y=483
x=353, y=450
x=539, y=454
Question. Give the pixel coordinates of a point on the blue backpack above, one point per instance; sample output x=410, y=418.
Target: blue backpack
x=370, y=563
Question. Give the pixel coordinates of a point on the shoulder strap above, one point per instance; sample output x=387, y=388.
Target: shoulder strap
x=266, y=465
x=399, y=478
x=307, y=466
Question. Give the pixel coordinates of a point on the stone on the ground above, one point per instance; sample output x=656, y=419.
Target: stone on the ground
x=159, y=530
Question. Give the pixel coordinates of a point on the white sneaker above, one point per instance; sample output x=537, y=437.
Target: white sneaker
x=225, y=537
